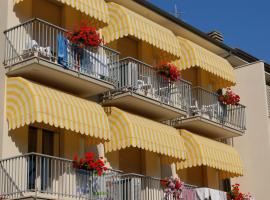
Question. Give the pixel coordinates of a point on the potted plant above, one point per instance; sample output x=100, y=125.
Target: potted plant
x=172, y=187
x=84, y=36
x=89, y=174
x=229, y=98
x=169, y=71
x=89, y=163
x=235, y=194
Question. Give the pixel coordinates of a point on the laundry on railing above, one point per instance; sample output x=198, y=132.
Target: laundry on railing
x=92, y=62
x=62, y=53
x=210, y=194
x=189, y=194
x=32, y=46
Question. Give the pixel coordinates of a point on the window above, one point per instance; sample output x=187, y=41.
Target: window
x=32, y=139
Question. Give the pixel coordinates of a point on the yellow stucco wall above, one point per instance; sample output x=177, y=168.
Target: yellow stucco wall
x=200, y=176
x=47, y=11
x=202, y=78
x=134, y=160
x=132, y=47
x=60, y=15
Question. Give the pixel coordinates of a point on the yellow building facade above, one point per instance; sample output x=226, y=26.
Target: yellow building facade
x=112, y=101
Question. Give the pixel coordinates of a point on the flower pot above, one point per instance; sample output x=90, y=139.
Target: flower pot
x=90, y=185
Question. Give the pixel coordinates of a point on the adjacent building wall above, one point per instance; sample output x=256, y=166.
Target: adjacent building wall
x=254, y=146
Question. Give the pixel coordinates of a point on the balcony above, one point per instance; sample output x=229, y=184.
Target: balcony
x=211, y=118
x=40, y=176
x=32, y=51
x=150, y=94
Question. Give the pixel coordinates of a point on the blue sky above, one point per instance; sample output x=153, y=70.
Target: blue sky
x=244, y=23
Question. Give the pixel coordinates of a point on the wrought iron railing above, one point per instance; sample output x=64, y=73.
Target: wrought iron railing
x=143, y=79
x=206, y=104
x=38, y=38
x=52, y=177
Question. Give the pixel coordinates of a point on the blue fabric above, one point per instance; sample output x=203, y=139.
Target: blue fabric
x=62, y=53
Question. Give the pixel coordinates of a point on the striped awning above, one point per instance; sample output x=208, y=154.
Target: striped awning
x=129, y=130
x=193, y=55
x=28, y=102
x=95, y=9
x=202, y=151
x=124, y=22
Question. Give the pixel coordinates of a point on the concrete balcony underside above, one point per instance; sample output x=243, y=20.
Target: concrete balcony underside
x=208, y=127
x=56, y=76
x=143, y=105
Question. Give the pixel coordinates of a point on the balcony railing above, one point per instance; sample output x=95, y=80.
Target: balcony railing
x=38, y=38
x=141, y=78
x=206, y=104
x=45, y=176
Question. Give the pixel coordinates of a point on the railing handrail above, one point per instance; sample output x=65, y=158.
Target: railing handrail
x=147, y=65
x=54, y=26
x=135, y=60
x=32, y=20
x=213, y=93
x=70, y=161
x=36, y=154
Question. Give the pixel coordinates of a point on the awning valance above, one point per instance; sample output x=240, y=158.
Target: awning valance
x=124, y=22
x=202, y=151
x=96, y=9
x=28, y=102
x=129, y=130
x=193, y=55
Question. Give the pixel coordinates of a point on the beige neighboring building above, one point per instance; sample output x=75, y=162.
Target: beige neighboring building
x=253, y=81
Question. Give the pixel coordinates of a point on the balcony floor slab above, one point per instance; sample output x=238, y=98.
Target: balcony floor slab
x=54, y=75
x=208, y=127
x=145, y=106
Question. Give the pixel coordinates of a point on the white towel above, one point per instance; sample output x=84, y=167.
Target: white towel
x=223, y=195
x=215, y=194
x=202, y=193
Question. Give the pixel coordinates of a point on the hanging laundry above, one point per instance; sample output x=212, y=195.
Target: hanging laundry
x=189, y=194
x=62, y=53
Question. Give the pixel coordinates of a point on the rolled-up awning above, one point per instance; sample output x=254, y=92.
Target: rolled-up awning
x=129, y=130
x=28, y=102
x=124, y=22
x=96, y=9
x=193, y=55
x=202, y=151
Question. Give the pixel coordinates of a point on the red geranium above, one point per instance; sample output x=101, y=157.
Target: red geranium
x=172, y=187
x=169, y=71
x=229, y=98
x=85, y=36
x=235, y=194
x=89, y=163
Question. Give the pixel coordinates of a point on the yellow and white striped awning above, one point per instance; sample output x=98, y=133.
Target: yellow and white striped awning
x=28, y=102
x=96, y=9
x=124, y=22
x=129, y=130
x=202, y=151
x=193, y=55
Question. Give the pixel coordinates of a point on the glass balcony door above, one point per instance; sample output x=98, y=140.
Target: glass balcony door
x=40, y=141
